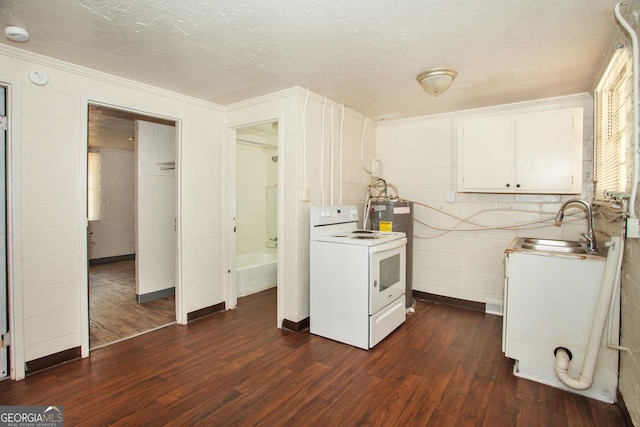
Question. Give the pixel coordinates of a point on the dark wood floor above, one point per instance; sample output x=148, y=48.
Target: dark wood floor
x=114, y=314
x=443, y=367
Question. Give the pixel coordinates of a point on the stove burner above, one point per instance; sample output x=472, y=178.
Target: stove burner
x=362, y=232
x=366, y=237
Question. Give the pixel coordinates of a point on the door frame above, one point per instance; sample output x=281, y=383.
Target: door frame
x=180, y=299
x=231, y=188
x=14, y=226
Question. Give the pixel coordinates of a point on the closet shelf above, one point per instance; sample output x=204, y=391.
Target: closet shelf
x=167, y=165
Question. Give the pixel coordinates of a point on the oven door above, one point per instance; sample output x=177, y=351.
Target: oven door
x=387, y=273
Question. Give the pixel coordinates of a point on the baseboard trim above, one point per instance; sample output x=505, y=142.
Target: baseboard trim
x=455, y=302
x=155, y=295
x=46, y=362
x=624, y=411
x=194, y=315
x=292, y=326
x=108, y=259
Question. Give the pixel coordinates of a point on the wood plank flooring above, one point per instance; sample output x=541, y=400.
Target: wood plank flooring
x=443, y=367
x=114, y=313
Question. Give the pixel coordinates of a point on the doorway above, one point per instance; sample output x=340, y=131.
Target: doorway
x=131, y=240
x=4, y=302
x=256, y=206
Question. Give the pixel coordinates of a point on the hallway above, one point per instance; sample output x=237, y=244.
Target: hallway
x=114, y=313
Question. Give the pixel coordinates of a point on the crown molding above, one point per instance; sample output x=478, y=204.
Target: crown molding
x=496, y=109
x=35, y=58
x=299, y=93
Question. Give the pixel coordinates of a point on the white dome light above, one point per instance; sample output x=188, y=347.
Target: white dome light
x=436, y=80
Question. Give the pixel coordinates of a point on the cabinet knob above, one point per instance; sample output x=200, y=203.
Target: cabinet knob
x=508, y=185
x=518, y=185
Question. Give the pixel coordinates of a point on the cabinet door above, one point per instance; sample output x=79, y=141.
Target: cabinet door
x=549, y=151
x=538, y=153
x=485, y=154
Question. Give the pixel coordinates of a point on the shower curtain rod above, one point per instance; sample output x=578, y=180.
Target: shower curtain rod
x=256, y=143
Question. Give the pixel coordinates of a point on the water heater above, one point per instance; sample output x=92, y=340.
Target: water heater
x=386, y=215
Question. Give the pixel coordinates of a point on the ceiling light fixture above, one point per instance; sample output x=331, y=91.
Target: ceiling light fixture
x=16, y=34
x=436, y=80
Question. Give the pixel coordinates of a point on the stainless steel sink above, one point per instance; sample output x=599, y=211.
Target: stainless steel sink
x=551, y=245
x=552, y=242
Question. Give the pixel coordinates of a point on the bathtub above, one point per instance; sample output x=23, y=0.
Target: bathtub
x=256, y=272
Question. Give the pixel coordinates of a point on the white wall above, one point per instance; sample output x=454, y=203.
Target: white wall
x=419, y=157
x=309, y=158
x=49, y=196
x=629, y=384
x=114, y=233
x=254, y=168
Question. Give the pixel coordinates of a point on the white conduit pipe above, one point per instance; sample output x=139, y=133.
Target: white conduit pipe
x=364, y=129
x=304, y=141
x=324, y=107
x=341, y=150
x=365, y=216
x=607, y=290
x=636, y=155
x=613, y=338
x=331, y=172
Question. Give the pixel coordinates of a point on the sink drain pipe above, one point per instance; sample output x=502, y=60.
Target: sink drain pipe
x=607, y=289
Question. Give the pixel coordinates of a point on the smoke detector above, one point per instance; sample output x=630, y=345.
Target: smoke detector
x=16, y=34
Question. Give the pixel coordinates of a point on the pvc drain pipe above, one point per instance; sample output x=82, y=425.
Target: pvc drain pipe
x=607, y=290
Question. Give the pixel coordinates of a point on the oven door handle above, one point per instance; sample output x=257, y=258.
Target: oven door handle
x=388, y=246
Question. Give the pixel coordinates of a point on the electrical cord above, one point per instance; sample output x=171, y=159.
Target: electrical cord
x=378, y=189
x=526, y=225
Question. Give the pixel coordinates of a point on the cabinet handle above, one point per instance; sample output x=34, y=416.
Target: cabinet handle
x=508, y=185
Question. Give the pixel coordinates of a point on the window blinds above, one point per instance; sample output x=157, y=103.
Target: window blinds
x=609, y=138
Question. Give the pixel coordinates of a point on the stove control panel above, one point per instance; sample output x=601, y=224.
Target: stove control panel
x=327, y=215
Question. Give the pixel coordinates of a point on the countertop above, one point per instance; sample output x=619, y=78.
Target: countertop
x=516, y=246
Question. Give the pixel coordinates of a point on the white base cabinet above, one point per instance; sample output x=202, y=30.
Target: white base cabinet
x=550, y=302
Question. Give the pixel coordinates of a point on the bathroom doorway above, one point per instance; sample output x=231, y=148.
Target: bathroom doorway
x=256, y=201
x=131, y=239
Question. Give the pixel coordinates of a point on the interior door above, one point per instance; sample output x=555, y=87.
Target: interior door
x=4, y=318
x=155, y=211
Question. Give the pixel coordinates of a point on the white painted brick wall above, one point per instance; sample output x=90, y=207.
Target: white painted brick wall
x=629, y=379
x=253, y=165
x=114, y=233
x=418, y=156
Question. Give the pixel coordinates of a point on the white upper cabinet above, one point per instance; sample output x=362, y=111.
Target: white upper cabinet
x=521, y=153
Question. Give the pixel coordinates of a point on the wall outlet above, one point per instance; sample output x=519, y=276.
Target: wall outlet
x=632, y=228
x=451, y=196
x=375, y=167
x=306, y=194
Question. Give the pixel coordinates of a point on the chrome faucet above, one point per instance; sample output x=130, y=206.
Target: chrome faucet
x=589, y=235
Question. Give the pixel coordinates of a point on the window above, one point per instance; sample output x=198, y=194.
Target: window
x=612, y=104
x=93, y=186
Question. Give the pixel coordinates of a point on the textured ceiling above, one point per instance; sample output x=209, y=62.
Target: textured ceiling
x=115, y=129
x=362, y=53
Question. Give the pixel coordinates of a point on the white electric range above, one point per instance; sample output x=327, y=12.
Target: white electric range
x=357, y=278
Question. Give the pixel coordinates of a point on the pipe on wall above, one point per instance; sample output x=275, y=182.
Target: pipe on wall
x=636, y=155
x=610, y=278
